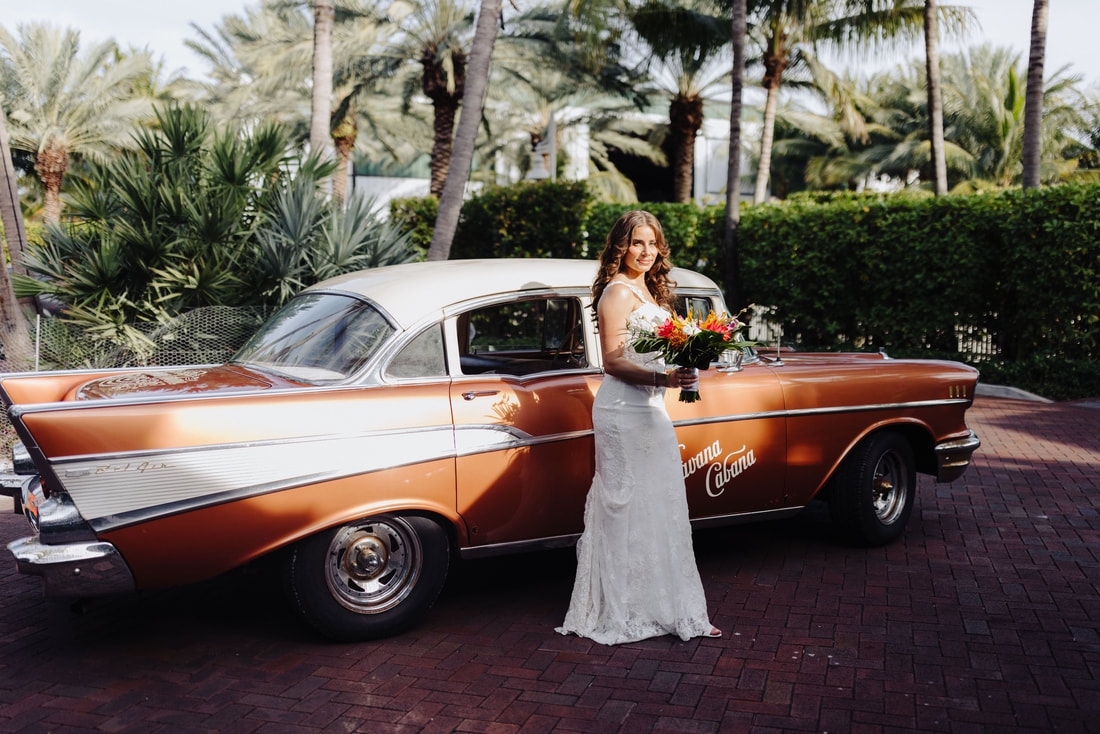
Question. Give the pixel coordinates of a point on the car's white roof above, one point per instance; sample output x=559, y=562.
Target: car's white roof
x=412, y=291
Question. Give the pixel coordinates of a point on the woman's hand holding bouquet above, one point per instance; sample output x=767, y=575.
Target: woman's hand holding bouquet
x=690, y=342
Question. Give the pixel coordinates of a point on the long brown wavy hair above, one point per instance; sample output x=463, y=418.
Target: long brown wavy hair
x=614, y=253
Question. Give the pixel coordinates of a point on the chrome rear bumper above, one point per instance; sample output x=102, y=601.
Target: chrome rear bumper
x=73, y=569
x=953, y=457
x=65, y=552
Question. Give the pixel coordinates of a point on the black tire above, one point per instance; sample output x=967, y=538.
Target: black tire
x=872, y=492
x=369, y=578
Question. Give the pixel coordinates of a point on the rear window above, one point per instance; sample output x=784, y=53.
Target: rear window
x=317, y=338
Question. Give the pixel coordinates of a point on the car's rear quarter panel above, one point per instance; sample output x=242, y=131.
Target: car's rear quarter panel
x=111, y=427
x=832, y=404
x=199, y=544
x=189, y=488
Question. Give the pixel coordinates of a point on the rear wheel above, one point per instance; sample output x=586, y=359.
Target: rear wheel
x=872, y=492
x=368, y=578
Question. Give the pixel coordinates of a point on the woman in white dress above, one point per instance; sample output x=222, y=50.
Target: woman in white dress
x=636, y=573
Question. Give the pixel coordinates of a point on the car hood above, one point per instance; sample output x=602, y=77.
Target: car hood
x=174, y=381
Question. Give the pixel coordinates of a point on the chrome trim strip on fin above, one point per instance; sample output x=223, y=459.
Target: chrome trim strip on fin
x=112, y=487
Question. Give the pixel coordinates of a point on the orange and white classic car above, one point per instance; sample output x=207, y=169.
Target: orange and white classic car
x=387, y=420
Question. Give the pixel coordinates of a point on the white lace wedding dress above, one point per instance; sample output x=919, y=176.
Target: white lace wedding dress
x=636, y=573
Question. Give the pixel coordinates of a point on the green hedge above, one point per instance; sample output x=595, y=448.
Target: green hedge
x=526, y=220
x=865, y=271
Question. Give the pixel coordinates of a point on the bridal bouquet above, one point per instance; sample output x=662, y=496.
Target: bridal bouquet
x=689, y=342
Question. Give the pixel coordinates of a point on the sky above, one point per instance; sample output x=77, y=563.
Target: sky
x=163, y=28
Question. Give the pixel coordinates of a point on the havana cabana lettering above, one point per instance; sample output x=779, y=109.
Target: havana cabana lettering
x=720, y=471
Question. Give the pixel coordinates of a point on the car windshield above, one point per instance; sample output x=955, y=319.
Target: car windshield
x=317, y=337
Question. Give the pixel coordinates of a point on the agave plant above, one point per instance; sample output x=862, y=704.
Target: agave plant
x=199, y=216
x=306, y=238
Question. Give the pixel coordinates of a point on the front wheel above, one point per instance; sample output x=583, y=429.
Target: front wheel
x=369, y=578
x=872, y=493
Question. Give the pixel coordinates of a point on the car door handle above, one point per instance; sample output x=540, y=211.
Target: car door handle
x=478, y=394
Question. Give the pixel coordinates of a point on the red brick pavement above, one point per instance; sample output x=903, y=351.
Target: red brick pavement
x=985, y=617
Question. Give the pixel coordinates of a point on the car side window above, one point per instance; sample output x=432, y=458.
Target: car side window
x=522, y=337
x=700, y=306
x=422, y=357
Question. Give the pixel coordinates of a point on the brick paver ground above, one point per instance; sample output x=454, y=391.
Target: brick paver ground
x=985, y=617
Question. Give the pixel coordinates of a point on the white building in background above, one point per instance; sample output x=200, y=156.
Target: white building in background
x=712, y=148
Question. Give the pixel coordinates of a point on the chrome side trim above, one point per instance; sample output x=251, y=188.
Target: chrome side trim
x=472, y=439
x=878, y=406
x=524, y=379
x=817, y=411
x=97, y=370
x=143, y=453
x=101, y=492
x=564, y=541
x=519, y=546
x=729, y=418
x=73, y=569
x=743, y=518
x=953, y=457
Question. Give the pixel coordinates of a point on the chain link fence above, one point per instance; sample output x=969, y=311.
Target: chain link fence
x=210, y=335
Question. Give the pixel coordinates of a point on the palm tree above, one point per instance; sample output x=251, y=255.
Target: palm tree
x=687, y=39
x=738, y=29
x=450, y=203
x=826, y=151
x=541, y=74
x=11, y=215
x=13, y=332
x=1033, y=107
x=67, y=104
x=984, y=99
x=324, y=13
x=257, y=61
x=935, y=97
x=1084, y=147
x=436, y=36
x=790, y=27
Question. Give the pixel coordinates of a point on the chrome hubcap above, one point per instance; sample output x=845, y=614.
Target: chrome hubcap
x=367, y=558
x=373, y=565
x=888, y=490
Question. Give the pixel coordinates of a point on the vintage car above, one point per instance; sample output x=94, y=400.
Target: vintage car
x=386, y=420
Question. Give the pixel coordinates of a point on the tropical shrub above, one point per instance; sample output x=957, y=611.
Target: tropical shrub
x=200, y=216
x=416, y=217
x=306, y=238
x=526, y=220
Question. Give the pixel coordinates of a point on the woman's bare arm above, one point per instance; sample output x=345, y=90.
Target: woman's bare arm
x=613, y=311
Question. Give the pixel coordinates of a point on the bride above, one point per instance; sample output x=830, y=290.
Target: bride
x=636, y=574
